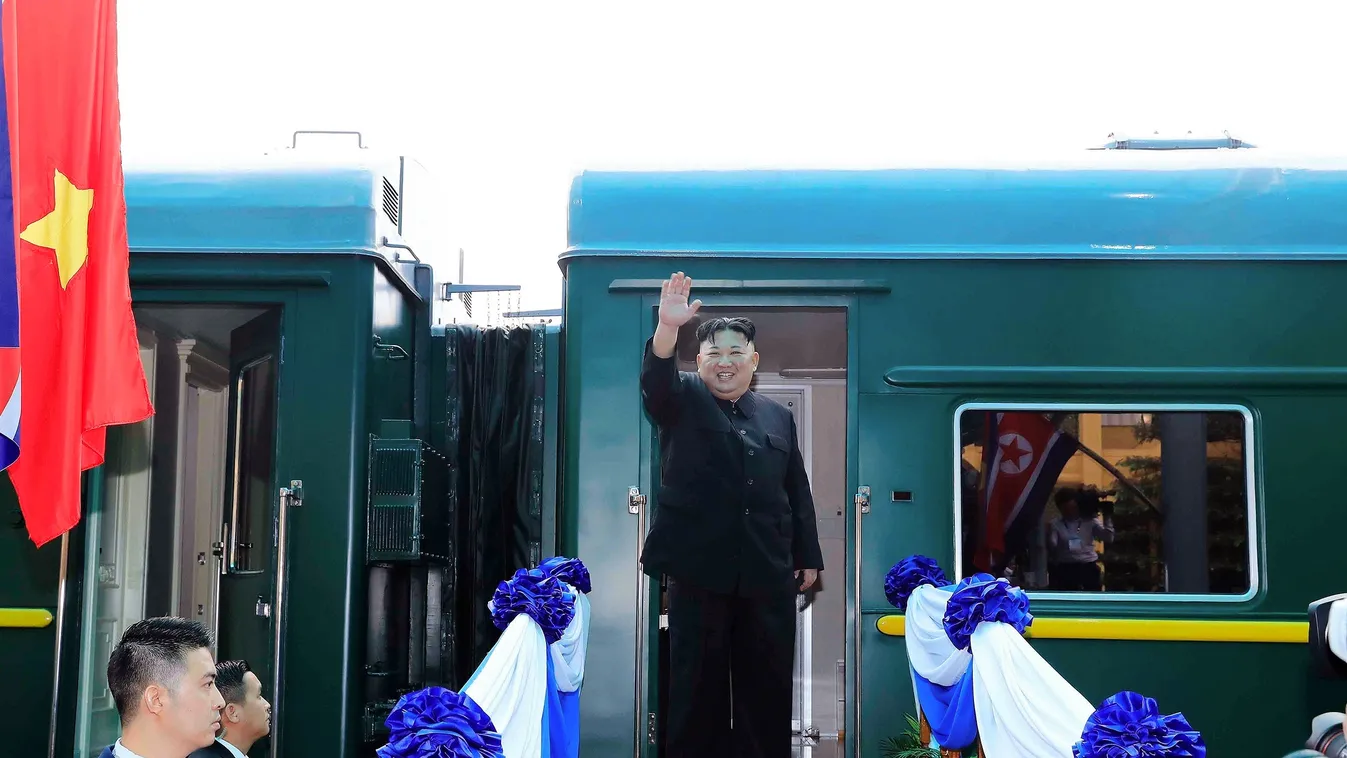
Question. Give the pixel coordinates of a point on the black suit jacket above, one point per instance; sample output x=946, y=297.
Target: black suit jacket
x=213, y=750
x=733, y=512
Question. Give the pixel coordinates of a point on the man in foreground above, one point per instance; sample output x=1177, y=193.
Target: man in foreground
x=162, y=679
x=246, y=717
x=734, y=532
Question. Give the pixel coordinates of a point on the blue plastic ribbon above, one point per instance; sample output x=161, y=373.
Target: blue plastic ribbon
x=980, y=598
x=949, y=710
x=542, y=598
x=572, y=571
x=909, y=574
x=1129, y=725
x=439, y=723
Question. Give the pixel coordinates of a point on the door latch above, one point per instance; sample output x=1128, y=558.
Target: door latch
x=635, y=500
x=650, y=729
x=863, y=499
x=263, y=607
x=294, y=494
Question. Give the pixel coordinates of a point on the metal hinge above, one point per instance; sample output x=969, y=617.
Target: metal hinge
x=650, y=728
x=635, y=500
x=863, y=499
x=294, y=494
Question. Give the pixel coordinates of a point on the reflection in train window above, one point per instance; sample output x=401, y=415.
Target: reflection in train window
x=1151, y=501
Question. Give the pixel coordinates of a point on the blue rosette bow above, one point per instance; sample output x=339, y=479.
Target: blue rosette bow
x=440, y=723
x=980, y=598
x=572, y=571
x=909, y=574
x=1129, y=725
x=541, y=598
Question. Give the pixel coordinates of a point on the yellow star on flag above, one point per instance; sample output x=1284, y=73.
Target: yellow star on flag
x=65, y=229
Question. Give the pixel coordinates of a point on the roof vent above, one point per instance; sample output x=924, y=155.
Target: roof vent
x=1186, y=142
x=391, y=204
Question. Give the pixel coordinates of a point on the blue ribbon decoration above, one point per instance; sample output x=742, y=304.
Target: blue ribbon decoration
x=949, y=710
x=980, y=598
x=572, y=571
x=541, y=598
x=438, y=723
x=909, y=574
x=1129, y=725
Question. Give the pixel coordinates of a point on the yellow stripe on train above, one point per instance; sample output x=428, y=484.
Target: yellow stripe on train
x=24, y=618
x=1171, y=630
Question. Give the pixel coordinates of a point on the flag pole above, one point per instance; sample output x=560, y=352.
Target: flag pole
x=1110, y=468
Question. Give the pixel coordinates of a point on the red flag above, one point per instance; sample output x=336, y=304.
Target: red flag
x=1021, y=459
x=80, y=358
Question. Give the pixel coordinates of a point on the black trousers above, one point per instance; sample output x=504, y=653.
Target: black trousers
x=729, y=656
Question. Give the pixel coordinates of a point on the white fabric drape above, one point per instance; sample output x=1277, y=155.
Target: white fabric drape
x=1024, y=707
x=929, y=650
x=568, y=653
x=511, y=686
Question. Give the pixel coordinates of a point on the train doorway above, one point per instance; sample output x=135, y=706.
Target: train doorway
x=182, y=518
x=804, y=367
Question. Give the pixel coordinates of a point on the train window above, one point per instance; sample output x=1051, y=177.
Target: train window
x=1114, y=501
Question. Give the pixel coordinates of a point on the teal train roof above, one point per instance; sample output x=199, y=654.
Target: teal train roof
x=1209, y=203
x=271, y=207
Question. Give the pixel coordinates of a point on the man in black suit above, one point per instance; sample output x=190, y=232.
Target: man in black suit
x=734, y=532
x=246, y=717
x=162, y=679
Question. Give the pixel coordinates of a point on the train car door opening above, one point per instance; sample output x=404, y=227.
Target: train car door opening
x=183, y=521
x=804, y=367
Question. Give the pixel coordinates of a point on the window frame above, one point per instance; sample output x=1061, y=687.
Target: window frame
x=1250, y=488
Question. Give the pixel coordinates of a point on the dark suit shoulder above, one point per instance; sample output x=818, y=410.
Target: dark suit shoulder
x=213, y=750
x=107, y=752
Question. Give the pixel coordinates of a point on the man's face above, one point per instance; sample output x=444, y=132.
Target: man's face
x=190, y=709
x=726, y=364
x=252, y=717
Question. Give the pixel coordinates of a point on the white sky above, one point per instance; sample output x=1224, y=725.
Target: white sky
x=505, y=102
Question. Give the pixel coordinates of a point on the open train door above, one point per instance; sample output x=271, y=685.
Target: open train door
x=250, y=550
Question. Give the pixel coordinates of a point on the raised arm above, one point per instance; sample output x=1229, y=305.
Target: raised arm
x=661, y=386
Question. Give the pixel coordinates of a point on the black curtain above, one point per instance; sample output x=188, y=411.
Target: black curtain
x=494, y=424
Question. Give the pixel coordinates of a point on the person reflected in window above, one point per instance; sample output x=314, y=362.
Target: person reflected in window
x=1071, y=537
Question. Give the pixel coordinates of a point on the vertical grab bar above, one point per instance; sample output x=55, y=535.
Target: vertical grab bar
x=292, y=496
x=636, y=507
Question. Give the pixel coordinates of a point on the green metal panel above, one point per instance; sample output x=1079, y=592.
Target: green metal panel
x=970, y=329
x=408, y=496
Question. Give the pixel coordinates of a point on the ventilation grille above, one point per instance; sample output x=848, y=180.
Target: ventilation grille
x=394, y=501
x=407, y=511
x=392, y=203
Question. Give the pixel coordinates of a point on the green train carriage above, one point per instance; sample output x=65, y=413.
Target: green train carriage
x=308, y=485
x=1189, y=295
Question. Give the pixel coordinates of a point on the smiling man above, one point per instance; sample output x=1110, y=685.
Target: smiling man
x=734, y=532
x=162, y=679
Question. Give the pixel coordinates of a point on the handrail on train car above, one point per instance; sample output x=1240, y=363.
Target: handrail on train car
x=25, y=618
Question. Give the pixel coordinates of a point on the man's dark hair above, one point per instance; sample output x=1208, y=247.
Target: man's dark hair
x=708, y=329
x=153, y=651
x=1064, y=495
x=229, y=680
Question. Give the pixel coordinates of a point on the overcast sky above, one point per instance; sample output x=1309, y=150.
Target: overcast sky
x=505, y=102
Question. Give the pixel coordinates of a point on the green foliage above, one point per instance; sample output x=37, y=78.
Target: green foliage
x=908, y=744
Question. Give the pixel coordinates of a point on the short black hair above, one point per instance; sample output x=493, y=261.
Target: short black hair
x=1064, y=495
x=153, y=651
x=229, y=680
x=708, y=329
